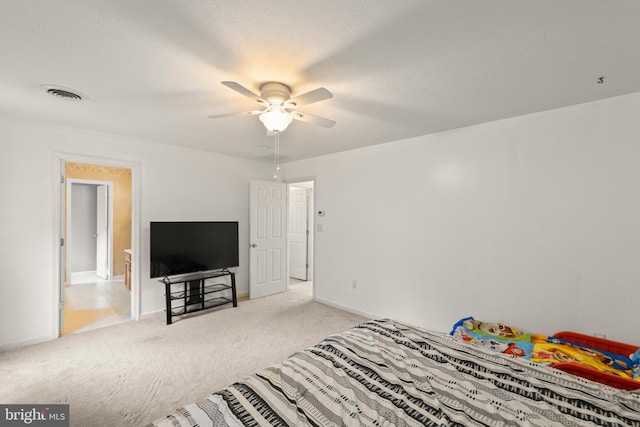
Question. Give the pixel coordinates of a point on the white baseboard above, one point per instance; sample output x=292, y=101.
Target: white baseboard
x=151, y=312
x=118, y=277
x=348, y=309
x=83, y=273
x=25, y=343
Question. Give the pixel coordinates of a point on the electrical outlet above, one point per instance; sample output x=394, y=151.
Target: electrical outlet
x=599, y=335
x=354, y=284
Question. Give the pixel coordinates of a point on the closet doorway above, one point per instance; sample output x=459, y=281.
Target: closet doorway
x=96, y=231
x=300, y=233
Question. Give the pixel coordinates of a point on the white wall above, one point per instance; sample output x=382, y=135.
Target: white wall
x=84, y=215
x=533, y=221
x=175, y=184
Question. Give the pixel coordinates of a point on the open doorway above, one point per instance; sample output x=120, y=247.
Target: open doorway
x=89, y=228
x=97, y=233
x=300, y=235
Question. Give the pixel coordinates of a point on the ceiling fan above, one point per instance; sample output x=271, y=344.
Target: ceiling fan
x=279, y=108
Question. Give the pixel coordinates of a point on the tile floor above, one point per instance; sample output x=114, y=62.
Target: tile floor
x=91, y=303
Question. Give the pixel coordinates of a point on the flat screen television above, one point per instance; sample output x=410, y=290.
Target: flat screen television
x=192, y=246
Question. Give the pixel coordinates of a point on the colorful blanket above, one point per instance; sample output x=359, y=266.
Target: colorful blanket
x=544, y=349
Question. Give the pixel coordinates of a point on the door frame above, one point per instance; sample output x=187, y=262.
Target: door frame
x=69, y=240
x=312, y=246
x=59, y=159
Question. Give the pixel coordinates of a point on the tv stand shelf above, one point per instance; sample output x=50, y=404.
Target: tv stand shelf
x=191, y=293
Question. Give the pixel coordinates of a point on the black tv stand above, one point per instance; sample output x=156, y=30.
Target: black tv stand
x=191, y=293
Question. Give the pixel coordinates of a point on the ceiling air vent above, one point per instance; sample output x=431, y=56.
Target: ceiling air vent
x=63, y=92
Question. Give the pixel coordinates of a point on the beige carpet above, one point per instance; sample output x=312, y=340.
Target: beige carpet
x=132, y=373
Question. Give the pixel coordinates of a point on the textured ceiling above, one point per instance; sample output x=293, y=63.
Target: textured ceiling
x=152, y=69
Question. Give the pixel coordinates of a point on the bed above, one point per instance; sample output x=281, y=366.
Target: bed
x=386, y=373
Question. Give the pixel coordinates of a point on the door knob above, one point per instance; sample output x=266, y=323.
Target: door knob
x=253, y=245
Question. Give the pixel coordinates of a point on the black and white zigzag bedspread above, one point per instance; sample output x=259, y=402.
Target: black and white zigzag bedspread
x=384, y=373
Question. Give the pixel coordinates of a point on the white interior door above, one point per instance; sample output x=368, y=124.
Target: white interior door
x=102, y=232
x=267, y=238
x=298, y=233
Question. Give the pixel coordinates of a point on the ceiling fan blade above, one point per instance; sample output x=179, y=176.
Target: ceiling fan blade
x=315, y=95
x=244, y=91
x=244, y=113
x=314, y=120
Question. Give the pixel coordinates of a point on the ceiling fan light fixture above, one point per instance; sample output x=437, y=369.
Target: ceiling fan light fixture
x=276, y=119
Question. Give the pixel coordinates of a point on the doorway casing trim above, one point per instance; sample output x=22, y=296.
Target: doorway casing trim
x=58, y=162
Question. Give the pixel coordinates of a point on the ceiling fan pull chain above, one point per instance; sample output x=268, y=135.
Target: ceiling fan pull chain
x=276, y=154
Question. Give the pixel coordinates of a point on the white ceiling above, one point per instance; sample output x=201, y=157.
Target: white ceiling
x=152, y=69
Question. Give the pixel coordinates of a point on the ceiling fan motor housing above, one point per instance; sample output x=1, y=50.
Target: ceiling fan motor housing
x=275, y=93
